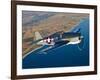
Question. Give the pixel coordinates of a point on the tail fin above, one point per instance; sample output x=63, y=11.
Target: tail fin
x=37, y=35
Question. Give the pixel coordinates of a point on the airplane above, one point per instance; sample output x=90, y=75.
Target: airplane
x=59, y=39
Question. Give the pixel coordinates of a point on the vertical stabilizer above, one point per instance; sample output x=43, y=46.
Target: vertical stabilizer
x=37, y=35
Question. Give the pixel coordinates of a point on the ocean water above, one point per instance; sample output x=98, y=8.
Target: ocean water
x=64, y=56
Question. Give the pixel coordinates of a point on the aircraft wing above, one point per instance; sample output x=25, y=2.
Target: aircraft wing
x=57, y=45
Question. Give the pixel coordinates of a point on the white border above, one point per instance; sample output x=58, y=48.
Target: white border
x=21, y=71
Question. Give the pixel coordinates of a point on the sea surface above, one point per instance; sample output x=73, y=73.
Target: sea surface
x=64, y=56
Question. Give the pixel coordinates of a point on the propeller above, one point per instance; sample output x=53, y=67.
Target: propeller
x=81, y=44
x=81, y=38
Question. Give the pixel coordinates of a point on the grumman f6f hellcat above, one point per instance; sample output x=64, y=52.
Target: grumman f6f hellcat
x=59, y=39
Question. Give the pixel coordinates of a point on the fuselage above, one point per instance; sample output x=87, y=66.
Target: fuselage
x=69, y=37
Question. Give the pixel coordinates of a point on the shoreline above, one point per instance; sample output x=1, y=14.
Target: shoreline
x=30, y=52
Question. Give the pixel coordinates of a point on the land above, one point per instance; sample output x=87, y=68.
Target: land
x=47, y=26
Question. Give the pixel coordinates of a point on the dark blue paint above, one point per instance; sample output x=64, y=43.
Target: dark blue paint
x=65, y=56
